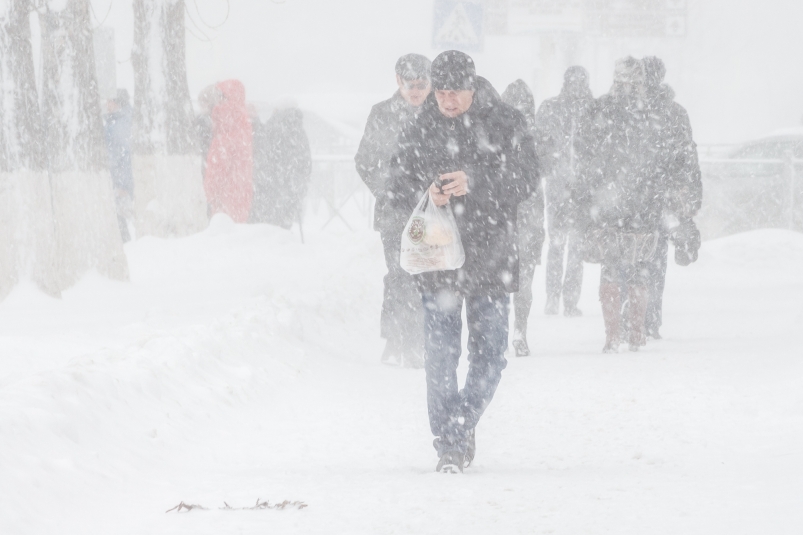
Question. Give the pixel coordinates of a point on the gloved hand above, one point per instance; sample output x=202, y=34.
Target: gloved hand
x=687, y=241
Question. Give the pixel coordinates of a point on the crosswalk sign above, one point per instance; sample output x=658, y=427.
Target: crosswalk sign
x=458, y=25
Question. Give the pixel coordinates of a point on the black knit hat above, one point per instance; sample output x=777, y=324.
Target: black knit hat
x=453, y=70
x=413, y=67
x=654, y=70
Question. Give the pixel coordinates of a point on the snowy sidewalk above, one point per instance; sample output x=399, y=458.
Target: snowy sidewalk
x=239, y=364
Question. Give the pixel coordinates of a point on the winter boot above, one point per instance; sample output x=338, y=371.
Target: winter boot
x=520, y=344
x=638, y=312
x=572, y=311
x=653, y=333
x=552, y=305
x=451, y=463
x=391, y=354
x=472, y=449
x=611, y=300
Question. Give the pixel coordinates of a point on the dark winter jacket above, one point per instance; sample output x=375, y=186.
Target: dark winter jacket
x=622, y=185
x=491, y=143
x=561, y=141
x=379, y=143
x=282, y=168
x=530, y=212
x=118, y=143
x=671, y=130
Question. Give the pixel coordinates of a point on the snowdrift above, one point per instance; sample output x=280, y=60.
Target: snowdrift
x=239, y=364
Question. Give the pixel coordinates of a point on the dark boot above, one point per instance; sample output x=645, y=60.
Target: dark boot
x=451, y=462
x=611, y=300
x=552, y=305
x=472, y=449
x=638, y=312
x=520, y=344
x=392, y=353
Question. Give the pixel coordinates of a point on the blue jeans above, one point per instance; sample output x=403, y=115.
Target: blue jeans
x=453, y=413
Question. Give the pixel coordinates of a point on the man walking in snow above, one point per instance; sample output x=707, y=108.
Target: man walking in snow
x=680, y=179
x=470, y=150
x=530, y=220
x=559, y=123
x=402, y=316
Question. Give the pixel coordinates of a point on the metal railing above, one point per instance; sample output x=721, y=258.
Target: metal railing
x=748, y=194
x=337, y=194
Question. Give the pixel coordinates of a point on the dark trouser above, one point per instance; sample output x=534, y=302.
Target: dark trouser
x=402, y=321
x=556, y=285
x=655, y=286
x=531, y=241
x=453, y=412
x=123, y=199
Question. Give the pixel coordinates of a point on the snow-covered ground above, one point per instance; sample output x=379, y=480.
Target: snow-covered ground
x=239, y=364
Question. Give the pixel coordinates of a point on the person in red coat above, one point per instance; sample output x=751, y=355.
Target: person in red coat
x=228, y=181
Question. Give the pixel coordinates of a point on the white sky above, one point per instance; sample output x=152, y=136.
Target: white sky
x=739, y=71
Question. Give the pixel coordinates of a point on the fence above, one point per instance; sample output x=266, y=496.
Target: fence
x=337, y=195
x=738, y=195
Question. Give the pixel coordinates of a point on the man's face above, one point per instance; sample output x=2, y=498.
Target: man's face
x=112, y=106
x=453, y=103
x=414, y=92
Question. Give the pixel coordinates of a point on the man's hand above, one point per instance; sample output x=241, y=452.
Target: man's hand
x=437, y=197
x=453, y=184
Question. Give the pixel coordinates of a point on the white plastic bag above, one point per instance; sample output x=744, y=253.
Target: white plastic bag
x=431, y=241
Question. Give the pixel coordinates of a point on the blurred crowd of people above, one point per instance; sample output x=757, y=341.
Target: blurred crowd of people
x=614, y=178
x=254, y=171
x=619, y=179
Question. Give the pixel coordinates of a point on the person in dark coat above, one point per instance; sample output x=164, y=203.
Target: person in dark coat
x=624, y=201
x=118, y=123
x=402, y=316
x=470, y=150
x=559, y=123
x=531, y=227
x=671, y=131
x=282, y=168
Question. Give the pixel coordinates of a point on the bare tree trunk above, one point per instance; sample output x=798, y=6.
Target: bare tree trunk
x=26, y=214
x=168, y=185
x=86, y=225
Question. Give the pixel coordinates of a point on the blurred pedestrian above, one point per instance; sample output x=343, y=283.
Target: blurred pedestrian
x=559, y=124
x=208, y=98
x=469, y=150
x=402, y=315
x=282, y=168
x=680, y=179
x=531, y=227
x=228, y=178
x=117, y=122
x=623, y=213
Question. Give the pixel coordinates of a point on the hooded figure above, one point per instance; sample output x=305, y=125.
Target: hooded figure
x=622, y=201
x=229, y=163
x=531, y=226
x=472, y=151
x=282, y=168
x=561, y=125
x=680, y=182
